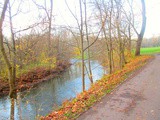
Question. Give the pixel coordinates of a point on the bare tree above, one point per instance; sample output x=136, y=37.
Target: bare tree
x=141, y=34
x=12, y=92
x=131, y=21
x=49, y=16
x=119, y=36
x=13, y=45
x=105, y=17
x=88, y=43
x=82, y=45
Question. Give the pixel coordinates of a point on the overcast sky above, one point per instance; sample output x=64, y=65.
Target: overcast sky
x=153, y=18
x=152, y=13
x=63, y=17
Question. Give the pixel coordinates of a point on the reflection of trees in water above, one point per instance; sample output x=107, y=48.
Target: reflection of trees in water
x=12, y=109
x=76, y=69
x=13, y=106
x=19, y=107
x=49, y=94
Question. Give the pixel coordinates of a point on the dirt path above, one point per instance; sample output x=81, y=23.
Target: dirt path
x=136, y=99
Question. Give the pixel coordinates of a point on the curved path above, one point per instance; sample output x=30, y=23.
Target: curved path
x=136, y=99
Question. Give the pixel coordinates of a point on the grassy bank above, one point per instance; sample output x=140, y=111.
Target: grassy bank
x=72, y=109
x=152, y=50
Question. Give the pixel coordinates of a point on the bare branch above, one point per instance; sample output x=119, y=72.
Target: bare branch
x=73, y=14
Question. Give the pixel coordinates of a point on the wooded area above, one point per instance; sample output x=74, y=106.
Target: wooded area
x=109, y=31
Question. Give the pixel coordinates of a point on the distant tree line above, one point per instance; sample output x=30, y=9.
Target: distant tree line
x=151, y=42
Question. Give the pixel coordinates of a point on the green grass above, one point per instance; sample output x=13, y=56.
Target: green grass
x=152, y=50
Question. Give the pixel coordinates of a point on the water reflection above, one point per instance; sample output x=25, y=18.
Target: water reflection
x=48, y=95
x=12, y=109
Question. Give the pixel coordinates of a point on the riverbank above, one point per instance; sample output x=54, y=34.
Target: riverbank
x=72, y=109
x=34, y=77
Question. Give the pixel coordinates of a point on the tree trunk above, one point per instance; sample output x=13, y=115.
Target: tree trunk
x=14, y=49
x=9, y=66
x=82, y=47
x=129, y=36
x=89, y=57
x=110, y=55
x=140, y=36
x=49, y=28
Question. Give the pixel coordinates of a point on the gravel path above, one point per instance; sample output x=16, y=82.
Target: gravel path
x=136, y=99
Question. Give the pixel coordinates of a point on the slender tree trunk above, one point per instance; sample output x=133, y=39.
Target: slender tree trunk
x=82, y=47
x=120, y=41
x=58, y=49
x=9, y=66
x=121, y=47
x=14, y=48
x=121, y=61
x=140, y=36
x=108, y=51
x=129, y=36
x=109, y=37
x=50, y=27
x=123, y=50
x=50, y=23
x=89, y=57
x=110, y=41
x=89, y=65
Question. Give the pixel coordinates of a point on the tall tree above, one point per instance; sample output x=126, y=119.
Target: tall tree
x=141, y=34
x=88, y=43
x=82, y=45
x=105, y=16
x=12, y=92
x=119, y=35
x=13, y=45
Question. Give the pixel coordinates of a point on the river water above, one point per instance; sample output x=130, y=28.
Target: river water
x=48, y=95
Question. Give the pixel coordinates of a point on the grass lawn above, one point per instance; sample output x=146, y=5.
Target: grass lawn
x=152, y=50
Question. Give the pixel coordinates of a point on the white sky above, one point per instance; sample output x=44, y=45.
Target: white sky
x=152, y=13
x=153, y=18
x=62, y=16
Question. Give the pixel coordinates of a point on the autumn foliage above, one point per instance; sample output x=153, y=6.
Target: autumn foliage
x=72, y=109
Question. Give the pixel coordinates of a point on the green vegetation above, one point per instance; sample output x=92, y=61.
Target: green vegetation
x=41, y=62
x=152, y=50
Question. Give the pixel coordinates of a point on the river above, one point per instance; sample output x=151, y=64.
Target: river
x=48, y=95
